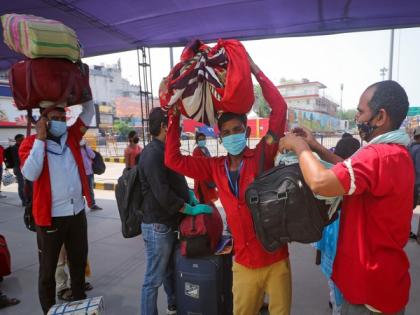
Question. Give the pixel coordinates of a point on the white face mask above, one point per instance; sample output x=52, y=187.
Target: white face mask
x=83, y=142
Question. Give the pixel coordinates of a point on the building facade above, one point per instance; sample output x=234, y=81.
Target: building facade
x=308, y=105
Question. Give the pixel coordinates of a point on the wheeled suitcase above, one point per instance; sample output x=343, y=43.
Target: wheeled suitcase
x=204, y=285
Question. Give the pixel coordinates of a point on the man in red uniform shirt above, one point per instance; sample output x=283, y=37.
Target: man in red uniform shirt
x=255, y=271
x=371, y=267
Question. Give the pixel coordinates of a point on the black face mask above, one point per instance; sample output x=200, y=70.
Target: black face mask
x=365, y=129
x=136, y=140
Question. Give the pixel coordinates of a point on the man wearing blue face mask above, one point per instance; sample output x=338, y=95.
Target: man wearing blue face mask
x=52, y=160
x=255, y=271
x=204, y=191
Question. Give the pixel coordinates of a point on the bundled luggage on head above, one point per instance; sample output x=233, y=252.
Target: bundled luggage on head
x=284, y=209
x=56, y=80
x=36, y=37
x=54, y=74
x=209, y=81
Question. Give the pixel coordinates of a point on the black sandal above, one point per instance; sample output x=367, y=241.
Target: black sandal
x=88, y=286
x=65, y=295
x=5, y=301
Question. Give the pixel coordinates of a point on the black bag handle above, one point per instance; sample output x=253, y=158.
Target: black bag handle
x=262, y=158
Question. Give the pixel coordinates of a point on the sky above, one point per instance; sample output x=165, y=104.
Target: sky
x=351, y=59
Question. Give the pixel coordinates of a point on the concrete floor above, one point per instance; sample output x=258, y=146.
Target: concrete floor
x=118, y=265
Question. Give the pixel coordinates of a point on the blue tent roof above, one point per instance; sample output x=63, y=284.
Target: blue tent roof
x=106, y=26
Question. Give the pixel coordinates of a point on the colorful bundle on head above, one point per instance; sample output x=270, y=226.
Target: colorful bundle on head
x=36, y=37
x=208, y=81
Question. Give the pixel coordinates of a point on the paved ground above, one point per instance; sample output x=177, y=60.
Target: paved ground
x=118, y=265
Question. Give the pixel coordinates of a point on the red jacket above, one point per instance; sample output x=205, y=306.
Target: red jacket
x=42, y=198
x=248, y=250
x=201, y=189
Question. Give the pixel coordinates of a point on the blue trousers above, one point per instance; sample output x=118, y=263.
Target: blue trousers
x=159, y=241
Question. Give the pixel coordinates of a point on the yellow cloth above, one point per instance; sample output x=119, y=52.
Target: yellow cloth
x=249, y=286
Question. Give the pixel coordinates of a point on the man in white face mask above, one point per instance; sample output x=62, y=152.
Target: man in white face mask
x=52, y=160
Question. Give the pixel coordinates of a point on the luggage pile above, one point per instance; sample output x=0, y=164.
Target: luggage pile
x=209, y=81
x=53, y=74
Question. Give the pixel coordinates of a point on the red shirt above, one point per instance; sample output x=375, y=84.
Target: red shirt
x=42, y=195
x=371, y=266
x=1, y=155
x=202, y=191
x=131, y=153
x=248, y=250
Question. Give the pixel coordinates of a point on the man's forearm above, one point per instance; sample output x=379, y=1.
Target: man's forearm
x=88, y=111
x=319, y=179
x=326, y=154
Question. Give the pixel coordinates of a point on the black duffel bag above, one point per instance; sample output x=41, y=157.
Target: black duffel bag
x=284, y=209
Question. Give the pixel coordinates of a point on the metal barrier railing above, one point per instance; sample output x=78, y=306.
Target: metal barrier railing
x=109, y=147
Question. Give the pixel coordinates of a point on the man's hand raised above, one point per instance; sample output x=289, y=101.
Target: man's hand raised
x=307, y=135
x=41, y=128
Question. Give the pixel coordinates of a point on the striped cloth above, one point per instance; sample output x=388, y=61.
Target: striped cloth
x=36, y=37
x=209, y=81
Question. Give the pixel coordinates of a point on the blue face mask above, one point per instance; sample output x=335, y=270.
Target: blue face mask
x=201, y=143
x=57, y=128
x=234, y=144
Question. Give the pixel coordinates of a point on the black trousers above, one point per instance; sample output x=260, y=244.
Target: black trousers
x=21, y=185
x=72, y=231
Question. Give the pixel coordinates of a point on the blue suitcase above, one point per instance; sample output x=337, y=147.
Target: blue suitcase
x=204, y=285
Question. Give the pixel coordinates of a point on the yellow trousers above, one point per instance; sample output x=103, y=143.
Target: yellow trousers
x=250, y=285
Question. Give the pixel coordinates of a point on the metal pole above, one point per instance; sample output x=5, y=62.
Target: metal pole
x=171, y=57
x=341, y=97
x=391, y=55
x=141, y=99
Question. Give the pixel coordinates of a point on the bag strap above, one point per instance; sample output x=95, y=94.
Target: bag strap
x=29, y=119
x=262, y=158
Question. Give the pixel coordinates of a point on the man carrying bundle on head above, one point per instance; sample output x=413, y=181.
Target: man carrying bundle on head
x=255, y=271
x=52, y=160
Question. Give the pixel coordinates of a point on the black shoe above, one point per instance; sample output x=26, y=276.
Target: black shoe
x=95, y=207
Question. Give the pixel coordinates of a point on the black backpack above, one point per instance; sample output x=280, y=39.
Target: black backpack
x=284, y=209
x=8, y=158
x=98, y=164
x=129, y=200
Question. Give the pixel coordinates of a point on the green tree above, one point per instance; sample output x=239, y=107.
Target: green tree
x=122, y=128
x=349, y=115
x=261, y=107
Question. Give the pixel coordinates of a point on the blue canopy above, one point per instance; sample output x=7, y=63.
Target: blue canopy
x=106, y=26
